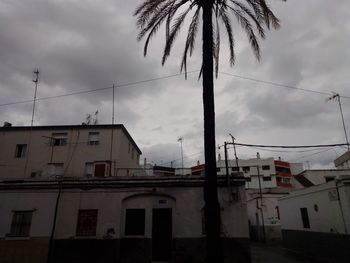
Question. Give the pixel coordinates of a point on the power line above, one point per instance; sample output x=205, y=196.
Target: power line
x=99, y=89
x=281, y=85
x=291, y=146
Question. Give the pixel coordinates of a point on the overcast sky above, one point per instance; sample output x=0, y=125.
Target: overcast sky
x=89, y=44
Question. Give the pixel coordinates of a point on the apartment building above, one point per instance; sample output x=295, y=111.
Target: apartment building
x=67, y=150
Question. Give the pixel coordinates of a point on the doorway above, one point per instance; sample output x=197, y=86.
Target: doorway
x=161, y=234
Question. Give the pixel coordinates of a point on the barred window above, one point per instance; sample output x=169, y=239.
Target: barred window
x=21, y=222
x=87, y=222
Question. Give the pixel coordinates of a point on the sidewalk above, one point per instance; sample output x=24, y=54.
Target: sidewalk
x=262, y=253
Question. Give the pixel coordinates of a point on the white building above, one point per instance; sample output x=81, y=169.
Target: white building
x=117, y=219
x=70, y=150
x=316, y=220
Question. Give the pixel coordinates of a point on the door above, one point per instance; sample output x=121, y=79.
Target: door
x=161, y=234
x=100, y=170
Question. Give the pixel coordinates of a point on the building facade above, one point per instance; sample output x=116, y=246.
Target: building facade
x=70, y=150
x=117, y=219
x=316, y=220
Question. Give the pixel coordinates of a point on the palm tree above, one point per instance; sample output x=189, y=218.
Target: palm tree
x=254, y=16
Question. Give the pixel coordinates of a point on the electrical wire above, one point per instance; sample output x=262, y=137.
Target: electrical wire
x=290, y=146
x=281, y=85
x=99, y=89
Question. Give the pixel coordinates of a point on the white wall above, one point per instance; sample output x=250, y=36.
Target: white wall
x=187, y=204
x=327, y=219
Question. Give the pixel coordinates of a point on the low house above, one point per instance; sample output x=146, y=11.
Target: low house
x=117, y=219
x=316, y=220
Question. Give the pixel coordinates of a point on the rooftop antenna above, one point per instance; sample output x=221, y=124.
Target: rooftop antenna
x=36, y=81
x=95, y=121
x=336, y=96
x=180, y=140
x=88, y=119
x=112, y=135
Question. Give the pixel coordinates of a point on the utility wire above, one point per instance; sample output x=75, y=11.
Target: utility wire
x=171, y=76
x=291, y=146
x=281, y=85
x=99, y=89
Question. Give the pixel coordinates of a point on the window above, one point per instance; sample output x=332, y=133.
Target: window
x=218, y=169
x=59, y=139
x=267, y=178
x=305, y=217
x=89, y=169
x=266, y=167
x=21, y=150
x=246, y=169
x=279, y=179
x=135, y=222
x=21, y=222
x=235, y=169
x=94, y=138
x=248, y=179
x=87, y=222
x=56, y=169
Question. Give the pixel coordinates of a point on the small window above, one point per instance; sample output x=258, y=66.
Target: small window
x=87, y=222
x=94, y=138
x=135, y=222
x=235, y=169
x=89, y=169
x=305, y=217
x=248, y=179
x=21, y=222
x=21, y=150
x=266, y=167
x=246, y=169
x=218, y=169
x=279, y=179
x=267, y=178
x=59, y=139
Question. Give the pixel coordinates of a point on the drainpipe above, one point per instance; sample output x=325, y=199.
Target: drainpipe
x=341, y=207
x=51, y=243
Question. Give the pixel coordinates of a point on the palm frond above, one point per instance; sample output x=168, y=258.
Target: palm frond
x=190, y=40
x=227, y=22
x=174, y=31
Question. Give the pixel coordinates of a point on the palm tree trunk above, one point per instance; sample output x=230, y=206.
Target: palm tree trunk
x=212, y=207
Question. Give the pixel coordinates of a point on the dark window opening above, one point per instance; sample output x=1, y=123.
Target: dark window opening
x=87, y=222
x=328, y=179
x=59, y=139
x=267, y=178
x=246, y=169
x=266, y=167
x=248, y=179
x=279, y=179
x=21, y=222
x=305, y=217
x=135, y=222
x=235, y=169
x=21, y=150
x=218, y=169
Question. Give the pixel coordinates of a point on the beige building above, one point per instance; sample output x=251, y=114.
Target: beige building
x=69, y=150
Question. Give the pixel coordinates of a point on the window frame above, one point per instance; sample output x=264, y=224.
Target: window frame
x=305, y=217
x=92, y=135
x=21, y=152
x=80, y=231
x=59, y=139
x=265, y=167
x=20, y=228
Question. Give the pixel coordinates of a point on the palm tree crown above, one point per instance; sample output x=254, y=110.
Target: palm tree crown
x=254, y=16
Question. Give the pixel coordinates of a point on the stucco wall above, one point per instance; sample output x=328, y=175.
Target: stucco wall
x=74, y=155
